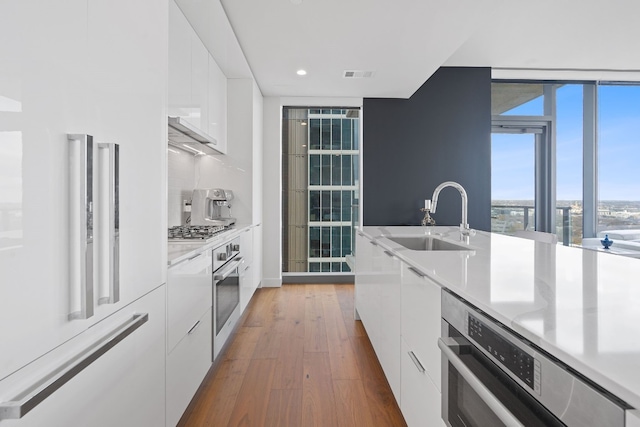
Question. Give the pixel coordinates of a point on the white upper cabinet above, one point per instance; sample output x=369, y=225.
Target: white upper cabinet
x=179, y=62
x=197, y=85
x=217, y=108
x=198, y=111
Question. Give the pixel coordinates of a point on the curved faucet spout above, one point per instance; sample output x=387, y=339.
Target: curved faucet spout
x=464, y=226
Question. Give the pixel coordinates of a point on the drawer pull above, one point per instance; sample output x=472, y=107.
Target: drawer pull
x=416, y=272
x=28, y=399
x=416, y=362
x=193, y=328
x=389, y=254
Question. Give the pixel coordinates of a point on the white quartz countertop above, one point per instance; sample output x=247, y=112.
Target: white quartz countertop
x=581, y=306
x=179, y=251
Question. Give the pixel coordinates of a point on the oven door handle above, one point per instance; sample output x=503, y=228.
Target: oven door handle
x=492, y=402
x=227, y=271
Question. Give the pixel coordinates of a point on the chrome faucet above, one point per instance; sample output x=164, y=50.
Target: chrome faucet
x=430, y=205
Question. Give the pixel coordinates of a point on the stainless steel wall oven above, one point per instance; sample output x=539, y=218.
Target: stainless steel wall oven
x=227, y=264
x=492, y=377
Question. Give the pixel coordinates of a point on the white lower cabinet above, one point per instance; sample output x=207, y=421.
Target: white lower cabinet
x=248, y=282
x=189, y=295
x=632, y=418
x=422, y=319
x=187, y=365
x=390, y=305
x=123, y=387
x=400, y=310
x=421, y=400
x=378, y=304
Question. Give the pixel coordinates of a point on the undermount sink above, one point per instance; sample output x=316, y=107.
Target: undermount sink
x=426, y=243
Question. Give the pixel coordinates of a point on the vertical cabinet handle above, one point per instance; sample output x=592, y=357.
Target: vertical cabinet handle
x=81, y=191
x=108, y=223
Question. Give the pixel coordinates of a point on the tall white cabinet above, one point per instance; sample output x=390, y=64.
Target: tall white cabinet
x=82, y=67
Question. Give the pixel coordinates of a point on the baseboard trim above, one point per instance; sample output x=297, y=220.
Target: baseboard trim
x=271, y=283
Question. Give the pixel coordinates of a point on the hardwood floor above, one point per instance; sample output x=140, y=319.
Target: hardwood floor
x=298, y=359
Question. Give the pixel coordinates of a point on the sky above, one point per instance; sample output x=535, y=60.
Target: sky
x=618, y=147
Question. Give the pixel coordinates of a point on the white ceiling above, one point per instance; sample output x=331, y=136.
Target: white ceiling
x=405, y=41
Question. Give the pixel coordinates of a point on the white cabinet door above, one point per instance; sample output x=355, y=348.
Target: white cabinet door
x=389, y=319
x=217, y=107
x=421, y=319
x=128, y=63
x=44, y=86
x=365, y=287
x=378, y=301
x=189, y=295
x=199, y=111
x=421, y=400
x=632, y=418
x=76, y=67
x=179, y=62
x=187, y=365
x=248, y=283
x=123, y=387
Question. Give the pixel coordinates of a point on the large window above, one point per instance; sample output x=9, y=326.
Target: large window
x=593, y=176
x=618, y=157
x=321, y=163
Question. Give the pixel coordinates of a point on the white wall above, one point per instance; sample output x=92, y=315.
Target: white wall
x=272, y=177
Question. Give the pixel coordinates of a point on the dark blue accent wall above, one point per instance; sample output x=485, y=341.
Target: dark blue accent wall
x=442, y=133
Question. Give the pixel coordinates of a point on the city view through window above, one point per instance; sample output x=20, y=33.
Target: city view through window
x=618, y=154
x=320, y=188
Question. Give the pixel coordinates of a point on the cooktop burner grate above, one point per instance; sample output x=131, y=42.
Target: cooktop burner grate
x=195, y=232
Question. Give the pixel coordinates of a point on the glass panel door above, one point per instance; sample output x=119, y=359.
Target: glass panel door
x=512, y=182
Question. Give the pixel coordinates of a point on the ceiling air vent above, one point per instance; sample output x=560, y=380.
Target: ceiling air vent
x=357, y=74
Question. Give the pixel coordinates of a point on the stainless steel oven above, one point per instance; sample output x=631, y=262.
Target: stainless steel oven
x=493, y=377
x=227, y=263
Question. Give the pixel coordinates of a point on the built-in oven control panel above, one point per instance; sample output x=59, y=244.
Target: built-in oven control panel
x=223, y=254
x=516, y=360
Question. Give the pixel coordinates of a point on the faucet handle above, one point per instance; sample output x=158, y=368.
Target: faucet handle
x=427, y=205
x=465, y=230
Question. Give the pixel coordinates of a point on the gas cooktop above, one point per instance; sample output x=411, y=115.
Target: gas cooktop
x=183, y=233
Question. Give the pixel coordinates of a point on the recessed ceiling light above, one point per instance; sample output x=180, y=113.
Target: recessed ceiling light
x=301, y=72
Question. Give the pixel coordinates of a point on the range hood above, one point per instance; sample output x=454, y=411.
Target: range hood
x=185, y=136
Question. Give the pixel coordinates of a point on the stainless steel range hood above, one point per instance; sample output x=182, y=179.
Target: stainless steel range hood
x=185, y=136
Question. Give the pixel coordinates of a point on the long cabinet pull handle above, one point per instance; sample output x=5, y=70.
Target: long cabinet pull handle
x=227, y=272
x=193, y=328
x=193, y=257
x=28, y=399
x=109, y=222
x=483, y=392
x=416, y=272
x=81, y=256
x=416, y=362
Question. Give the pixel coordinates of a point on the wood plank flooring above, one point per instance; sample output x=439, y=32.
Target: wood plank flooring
x=298, y=359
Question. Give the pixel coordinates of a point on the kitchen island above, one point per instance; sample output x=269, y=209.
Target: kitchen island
x=580, y=306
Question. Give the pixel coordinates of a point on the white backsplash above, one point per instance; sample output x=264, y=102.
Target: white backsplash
x=181, y=175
